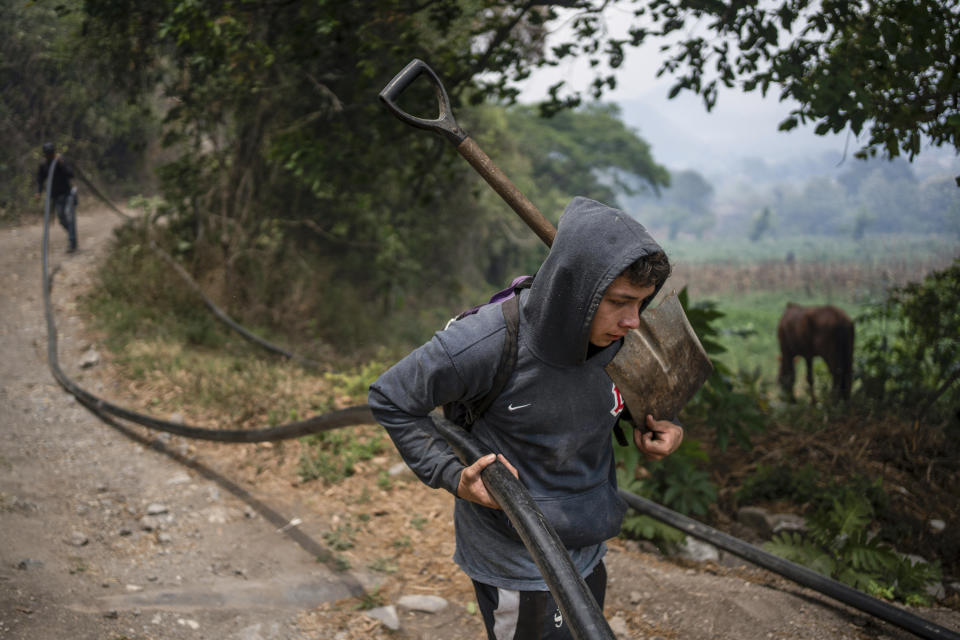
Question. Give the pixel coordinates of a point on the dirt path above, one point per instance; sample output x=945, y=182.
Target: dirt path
x=102, y=536
x=113, y=535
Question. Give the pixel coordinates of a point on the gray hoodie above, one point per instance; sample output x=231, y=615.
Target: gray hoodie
x=554, y=417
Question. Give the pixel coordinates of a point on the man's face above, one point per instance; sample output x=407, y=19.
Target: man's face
x=619, y=311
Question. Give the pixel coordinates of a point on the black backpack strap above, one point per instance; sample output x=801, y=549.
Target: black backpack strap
x=618, y=433
x=508, y=359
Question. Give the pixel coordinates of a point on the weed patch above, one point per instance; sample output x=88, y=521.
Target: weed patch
x=341, y=538
x=333, y=455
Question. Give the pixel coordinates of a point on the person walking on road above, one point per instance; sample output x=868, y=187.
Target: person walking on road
x=551, y=425
x=63, y=194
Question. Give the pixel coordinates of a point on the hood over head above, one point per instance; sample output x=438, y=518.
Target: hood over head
x=594, y=244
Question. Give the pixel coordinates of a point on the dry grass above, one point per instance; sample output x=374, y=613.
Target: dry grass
x=812, y=279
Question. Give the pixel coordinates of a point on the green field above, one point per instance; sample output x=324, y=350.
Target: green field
x=751, y=284
x=749, y=331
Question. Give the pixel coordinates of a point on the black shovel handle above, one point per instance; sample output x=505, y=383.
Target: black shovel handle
x=446, y=125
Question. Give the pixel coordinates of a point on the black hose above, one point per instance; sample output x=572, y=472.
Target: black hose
x=795, y=572
x=569, y=590
x=345, y=417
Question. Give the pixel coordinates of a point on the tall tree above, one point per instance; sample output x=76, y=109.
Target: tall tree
x=283, y=149
x=273, y=109
x=588, y=151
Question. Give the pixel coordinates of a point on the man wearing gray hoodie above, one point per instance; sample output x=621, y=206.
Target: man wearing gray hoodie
x=551, y=425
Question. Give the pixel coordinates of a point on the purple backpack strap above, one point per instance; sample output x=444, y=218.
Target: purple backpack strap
x=520, y=282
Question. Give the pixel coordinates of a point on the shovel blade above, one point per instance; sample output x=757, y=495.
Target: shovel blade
x=661, y=363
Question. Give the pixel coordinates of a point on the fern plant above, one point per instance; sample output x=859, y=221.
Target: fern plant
x=839, y=544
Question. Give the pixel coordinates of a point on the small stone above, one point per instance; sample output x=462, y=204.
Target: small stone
x=399, y=469
x=179, y=478
x=125, y=531
x=937, y=526
x=78, y=539
x=914, y=559
x=25, y=505
x=936, y=591
x=217, y=515
x=428, y=604
x=111, y=614
x=635, y=597
x=619, y=626
x=164, y=538
x=699, y=551
x=387, y=615
x=786, y=522
x=755, y=518
x=134, y=588
x=156, y=509
x=90, y=358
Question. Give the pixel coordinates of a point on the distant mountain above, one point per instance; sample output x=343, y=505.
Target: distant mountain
x=741, y=127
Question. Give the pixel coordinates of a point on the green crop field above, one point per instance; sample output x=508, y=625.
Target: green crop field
x=751, y=284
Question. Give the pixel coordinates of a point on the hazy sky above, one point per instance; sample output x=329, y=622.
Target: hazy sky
x=682, y=133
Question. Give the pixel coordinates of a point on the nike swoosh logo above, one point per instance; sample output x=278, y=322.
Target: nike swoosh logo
x=510, y=407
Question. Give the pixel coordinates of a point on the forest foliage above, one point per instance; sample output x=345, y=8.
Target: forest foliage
x=300, y=203
x=51, y=92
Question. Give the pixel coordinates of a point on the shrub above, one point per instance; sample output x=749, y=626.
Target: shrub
x=839, y=543
x=675, y=482
x=913, y=362
x=728, y=402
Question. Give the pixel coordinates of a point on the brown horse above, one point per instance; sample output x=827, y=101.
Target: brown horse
x=816, y=331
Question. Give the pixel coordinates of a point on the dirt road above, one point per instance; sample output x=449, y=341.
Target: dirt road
x=107, y=534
